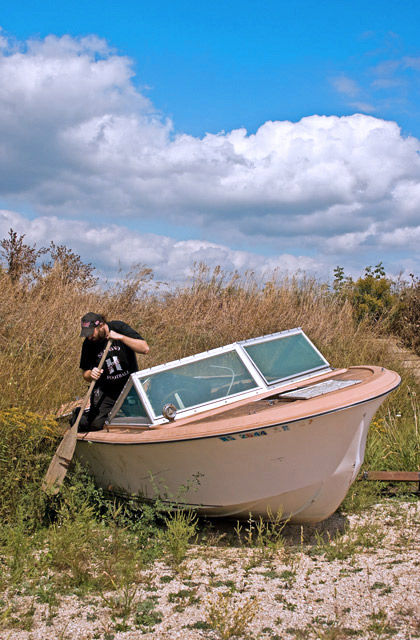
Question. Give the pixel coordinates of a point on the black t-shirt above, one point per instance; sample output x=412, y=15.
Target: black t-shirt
x=119, y=363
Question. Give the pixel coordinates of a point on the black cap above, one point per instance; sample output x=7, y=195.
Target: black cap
x=89, y=323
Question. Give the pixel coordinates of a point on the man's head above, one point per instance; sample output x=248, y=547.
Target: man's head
x=93, y=326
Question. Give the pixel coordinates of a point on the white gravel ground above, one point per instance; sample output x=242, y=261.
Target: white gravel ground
x=372, y=593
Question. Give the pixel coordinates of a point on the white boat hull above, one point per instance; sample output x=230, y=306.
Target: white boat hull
x=303, y=467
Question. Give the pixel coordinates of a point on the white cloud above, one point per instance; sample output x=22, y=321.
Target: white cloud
x=411, y=63
x=79, y=141
x=111, y=247
x=406, y=238
x=406, y=200
x=365, y=107
x=345, y=85
x=347, y=242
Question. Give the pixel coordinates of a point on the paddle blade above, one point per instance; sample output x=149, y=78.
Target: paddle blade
x=61, y=461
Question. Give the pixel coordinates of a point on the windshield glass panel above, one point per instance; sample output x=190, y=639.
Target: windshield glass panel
x=285, y=357
x=132, y=406
x=198, y=382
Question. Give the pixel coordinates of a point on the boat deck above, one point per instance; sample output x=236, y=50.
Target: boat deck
x=279, y=406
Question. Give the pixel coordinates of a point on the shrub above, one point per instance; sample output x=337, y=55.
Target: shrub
x=407, y=324
x=370, y=296
x=27, y=442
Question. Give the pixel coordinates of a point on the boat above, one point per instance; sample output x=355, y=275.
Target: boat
x=261, y=426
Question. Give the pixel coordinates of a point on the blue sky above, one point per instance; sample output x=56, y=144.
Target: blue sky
x=299, y=194
x=220, y=65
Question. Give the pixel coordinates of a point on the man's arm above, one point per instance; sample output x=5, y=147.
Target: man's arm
x=138, y=346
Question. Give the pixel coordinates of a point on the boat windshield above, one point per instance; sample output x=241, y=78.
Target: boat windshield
x=218, y=377
x=198, y=382
x=285, y=357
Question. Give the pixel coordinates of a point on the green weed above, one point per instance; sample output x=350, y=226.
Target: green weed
x=121, y=603
x=227, y=618
x=380, y=625
x=263, y=537
x=181, y=527
x=184, y=598
x=70, y=541
x=394, y=437
x=26, y=444
x=346, y=544
x=146, y=616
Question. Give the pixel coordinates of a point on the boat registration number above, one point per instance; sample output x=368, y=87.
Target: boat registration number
x=248, y=434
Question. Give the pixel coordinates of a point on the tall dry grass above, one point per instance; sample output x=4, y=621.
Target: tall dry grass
x=40, y=344
x=40, y=351
x=38, y=348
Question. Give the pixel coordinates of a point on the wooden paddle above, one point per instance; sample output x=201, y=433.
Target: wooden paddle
x=63, y=456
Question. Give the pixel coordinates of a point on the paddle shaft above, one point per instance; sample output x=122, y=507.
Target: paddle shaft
x=63, y=456
x=92, y=384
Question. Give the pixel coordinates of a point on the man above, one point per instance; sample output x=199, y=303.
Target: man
x=120, y=362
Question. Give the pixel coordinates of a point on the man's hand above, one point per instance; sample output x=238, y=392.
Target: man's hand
x=96, y=373
x=138, y=346
x=113, y=335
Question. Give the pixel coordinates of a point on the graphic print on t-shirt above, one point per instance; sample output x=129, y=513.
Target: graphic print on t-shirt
x=113, y=364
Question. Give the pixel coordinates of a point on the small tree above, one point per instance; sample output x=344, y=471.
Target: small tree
x=342, y=284
x=69, y=267
x=21, y=263
x=20, y=258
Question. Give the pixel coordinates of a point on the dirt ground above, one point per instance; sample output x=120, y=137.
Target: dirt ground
x=352, y=576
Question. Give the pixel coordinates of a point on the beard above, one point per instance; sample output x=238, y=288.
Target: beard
x=101, y=335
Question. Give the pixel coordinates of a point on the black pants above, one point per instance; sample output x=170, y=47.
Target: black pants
x=95, y=418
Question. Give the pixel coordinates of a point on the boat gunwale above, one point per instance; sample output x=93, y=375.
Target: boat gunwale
x=155, y=432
